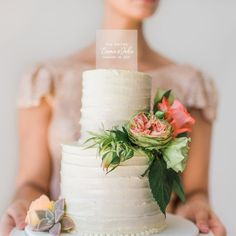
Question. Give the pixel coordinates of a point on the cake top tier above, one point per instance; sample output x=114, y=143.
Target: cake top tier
x=111, y=97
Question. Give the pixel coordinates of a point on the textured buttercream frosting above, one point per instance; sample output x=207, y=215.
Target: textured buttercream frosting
x=118, y=203
x=121, y=202
x=111, y=97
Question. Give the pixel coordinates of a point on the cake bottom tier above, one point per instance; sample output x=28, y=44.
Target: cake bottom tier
x=176, y=226
x=114, y=204
x=106, y=227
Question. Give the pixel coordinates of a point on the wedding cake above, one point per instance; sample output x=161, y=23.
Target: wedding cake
x=142, y=152
x=119, y=202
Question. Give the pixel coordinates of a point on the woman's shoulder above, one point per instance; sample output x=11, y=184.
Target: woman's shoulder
x=71, y=63
x=75, y=62
x=164, y=65
x=191, y=78
x=193, y=86
x=186, y=71
x=45, y=79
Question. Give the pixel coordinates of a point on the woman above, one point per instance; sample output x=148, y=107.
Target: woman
x=49, y=109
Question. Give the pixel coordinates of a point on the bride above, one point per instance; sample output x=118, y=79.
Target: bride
x=49, y=109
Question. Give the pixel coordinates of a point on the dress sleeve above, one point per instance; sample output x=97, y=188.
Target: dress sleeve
x=203, y=95
x=35, y=85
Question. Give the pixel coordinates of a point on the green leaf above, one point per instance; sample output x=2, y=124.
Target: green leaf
x=159, y=95
x=181, y=135
x=115, y=160
x=160, y=184
x=147, y=170
x=177, y=186
x=157, y=99
x=160, y=114
x=151, y=156
x=167, y=94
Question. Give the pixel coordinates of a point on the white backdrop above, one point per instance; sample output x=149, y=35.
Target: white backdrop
x=201, y=32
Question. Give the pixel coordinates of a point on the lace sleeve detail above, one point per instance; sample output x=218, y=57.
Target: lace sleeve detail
x=35, y=85
x=203, y=95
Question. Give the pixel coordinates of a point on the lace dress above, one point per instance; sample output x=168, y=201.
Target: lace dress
x=59, y=82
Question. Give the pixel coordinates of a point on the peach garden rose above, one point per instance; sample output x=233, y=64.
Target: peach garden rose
x=148, y=131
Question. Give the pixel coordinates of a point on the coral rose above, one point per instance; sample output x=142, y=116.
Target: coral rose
x=177, y=116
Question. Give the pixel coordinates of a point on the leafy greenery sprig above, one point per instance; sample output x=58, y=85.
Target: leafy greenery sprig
x=113, y=146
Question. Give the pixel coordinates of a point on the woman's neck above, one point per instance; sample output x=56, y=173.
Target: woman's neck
x=114, y=20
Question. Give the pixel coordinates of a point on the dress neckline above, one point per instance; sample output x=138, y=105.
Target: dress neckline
x=151, y=71
x=161, y=69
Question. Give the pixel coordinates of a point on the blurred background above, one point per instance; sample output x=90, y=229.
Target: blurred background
x=197, y=32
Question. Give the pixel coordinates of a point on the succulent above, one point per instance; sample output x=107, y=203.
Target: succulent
x=56, y=229
x=67, y=224
x=53, y=221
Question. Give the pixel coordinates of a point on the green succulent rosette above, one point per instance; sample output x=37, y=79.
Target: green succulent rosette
x=148, y=131
x=176, y=154
x=48, y=216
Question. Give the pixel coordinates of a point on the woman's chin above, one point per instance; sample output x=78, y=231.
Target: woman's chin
x=144, y=8
x=141, y=15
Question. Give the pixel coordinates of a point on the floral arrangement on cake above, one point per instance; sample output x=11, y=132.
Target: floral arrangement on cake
x=49, y=216
x=162, y=135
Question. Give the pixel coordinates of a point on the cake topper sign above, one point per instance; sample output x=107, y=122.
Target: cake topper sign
x=116, y=49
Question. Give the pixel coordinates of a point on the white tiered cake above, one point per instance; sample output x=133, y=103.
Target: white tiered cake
x=121, y=202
